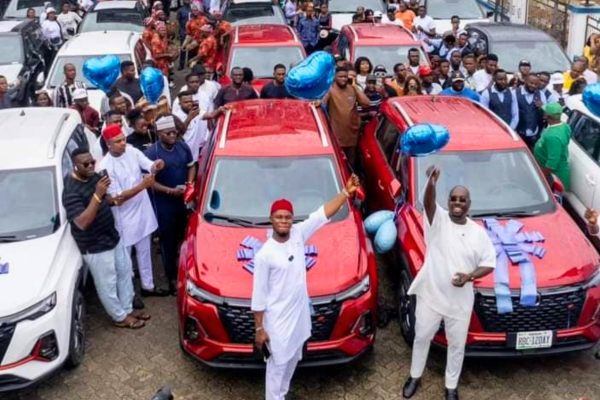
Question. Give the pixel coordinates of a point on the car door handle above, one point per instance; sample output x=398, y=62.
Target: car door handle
x=380, y=184
x=590, y=179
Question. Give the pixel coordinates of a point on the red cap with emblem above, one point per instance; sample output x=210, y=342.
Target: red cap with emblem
x=282, y=204
x=111, y=131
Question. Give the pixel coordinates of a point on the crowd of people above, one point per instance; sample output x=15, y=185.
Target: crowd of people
x=146, y=178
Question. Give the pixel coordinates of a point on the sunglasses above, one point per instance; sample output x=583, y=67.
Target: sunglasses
x=88, y=163
x=458, y=199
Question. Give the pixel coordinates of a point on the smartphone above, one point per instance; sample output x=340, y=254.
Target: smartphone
x=195, y=104
x=379, y=82
x=103, y=173
x=182, y=187
x=266, y=350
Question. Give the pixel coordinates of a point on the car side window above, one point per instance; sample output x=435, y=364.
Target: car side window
x=478, y=42
x=586, y=133
x=226, y=49
x=66, y=164
x=343, y=46
x=387, y=136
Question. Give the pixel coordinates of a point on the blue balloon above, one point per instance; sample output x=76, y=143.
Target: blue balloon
x=424, y=139
x=152, y=83
x=312, y=78
x=591, y=98
x=375, y=220
x=386, y=236
x=102, y=72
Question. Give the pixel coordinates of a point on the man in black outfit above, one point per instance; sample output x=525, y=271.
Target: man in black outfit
x=276, y=89
x=93, y=227
x=128, y=83
x=237, y=91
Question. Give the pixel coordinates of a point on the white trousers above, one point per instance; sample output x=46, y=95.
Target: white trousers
x=427, y=324
x=143, y=255
x=279, y=376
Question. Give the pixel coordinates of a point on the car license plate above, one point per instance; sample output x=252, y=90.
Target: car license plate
x=534, y=340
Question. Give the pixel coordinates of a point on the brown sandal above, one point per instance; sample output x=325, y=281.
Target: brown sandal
x=132, y=324
x=140, y=315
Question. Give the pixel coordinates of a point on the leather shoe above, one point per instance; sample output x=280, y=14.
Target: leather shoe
x=137, y=303
x=410, y=387
x=173, y=288
x=156, y=292
x=451, y=394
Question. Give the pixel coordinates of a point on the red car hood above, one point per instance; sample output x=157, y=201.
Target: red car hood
x=570, y=258
x=218, y=270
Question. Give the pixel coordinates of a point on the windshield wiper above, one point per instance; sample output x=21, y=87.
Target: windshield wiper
x=8, y=238
x=237, y=221
x=505, y=214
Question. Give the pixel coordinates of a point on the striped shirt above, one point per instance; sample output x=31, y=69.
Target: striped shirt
x=63, y=95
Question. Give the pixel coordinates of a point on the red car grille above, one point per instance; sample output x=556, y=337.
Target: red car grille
x=239, y=322
x=555, y=311
x=6, y=334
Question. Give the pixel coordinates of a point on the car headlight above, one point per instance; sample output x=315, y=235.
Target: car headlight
x=202, y=295
x=593, y=281
x=355, y=291
x=32, y=313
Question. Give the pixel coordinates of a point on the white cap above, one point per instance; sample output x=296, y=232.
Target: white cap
x=165, y=123
x=80, y=94
x=50, y=10
x=377, y=14
x=557, y=78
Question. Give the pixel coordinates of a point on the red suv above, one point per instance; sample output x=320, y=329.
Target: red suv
x=383, y=44
x=260, y=48
x=486, y=156
x=264, y=150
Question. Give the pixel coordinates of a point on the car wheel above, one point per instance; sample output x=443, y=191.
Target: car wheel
x=77, y=337
x=406, y=308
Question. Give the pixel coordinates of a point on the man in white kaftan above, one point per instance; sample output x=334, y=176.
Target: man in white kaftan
x=280, y=298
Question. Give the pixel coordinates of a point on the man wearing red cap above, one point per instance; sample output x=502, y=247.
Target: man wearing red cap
x=280, y=299
x=135, y=219
x=428, y=85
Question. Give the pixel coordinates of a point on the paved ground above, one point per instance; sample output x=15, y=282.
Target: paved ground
x=131, y=365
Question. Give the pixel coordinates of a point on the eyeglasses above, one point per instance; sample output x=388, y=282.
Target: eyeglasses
x=88, y=163
x=459, y=199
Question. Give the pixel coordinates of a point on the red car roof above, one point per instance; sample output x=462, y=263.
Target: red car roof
x=273, y=127
x=280, y=35
x=471, y=126
x=371, y=34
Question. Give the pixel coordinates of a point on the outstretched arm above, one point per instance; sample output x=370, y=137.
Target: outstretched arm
x=433, y=173
x=334, y=205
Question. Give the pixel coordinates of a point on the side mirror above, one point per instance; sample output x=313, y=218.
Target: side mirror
x=489, y=14
x=557, y=185
x=395, y=188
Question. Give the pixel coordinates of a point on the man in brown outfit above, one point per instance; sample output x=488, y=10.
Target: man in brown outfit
x=341, y=101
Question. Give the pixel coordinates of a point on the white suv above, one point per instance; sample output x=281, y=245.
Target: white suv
x=41, y=269
x=125, y=45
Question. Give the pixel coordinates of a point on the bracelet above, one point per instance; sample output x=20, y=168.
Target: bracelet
x=471, y=278
x=98, y=199
x=346, y=193
x=260, y=328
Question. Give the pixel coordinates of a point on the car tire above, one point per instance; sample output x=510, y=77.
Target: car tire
x=77, y=334
x=406, y=308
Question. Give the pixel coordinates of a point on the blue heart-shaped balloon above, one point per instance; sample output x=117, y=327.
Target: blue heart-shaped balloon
x=424, y=139
x=312, y=78
x=152, y=83
x=102, y=71
x=591, y=98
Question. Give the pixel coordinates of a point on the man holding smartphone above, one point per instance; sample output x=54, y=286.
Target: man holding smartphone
x=280, y=299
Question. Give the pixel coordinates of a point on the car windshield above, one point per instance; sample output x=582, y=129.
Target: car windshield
x=28, y=204
x=445, y=9
x=499, y=181
x=544, y=56
x=261, y=60
x=251, y=11
x=387, y=55
x=12, y=49
x=18, y=8
x=244, y=188
x=112, y=20
x=57, y=77
x=349, y=6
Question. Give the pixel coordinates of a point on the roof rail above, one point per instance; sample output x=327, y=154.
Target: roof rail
x=506, y=127
x=225, y=129
x=237, y=35
x=354, y=32
x=404, y=114
x=52, y=149
x=412, y=35
x=293, y=32
x=315, y=113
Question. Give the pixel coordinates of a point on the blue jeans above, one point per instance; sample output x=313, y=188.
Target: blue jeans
x=112, y=274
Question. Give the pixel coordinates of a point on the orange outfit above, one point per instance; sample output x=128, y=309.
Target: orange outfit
x=148, y=34
x=208, y=51
x=222, y=30
x=192, y=28
x=407, y=17
x=159, y=46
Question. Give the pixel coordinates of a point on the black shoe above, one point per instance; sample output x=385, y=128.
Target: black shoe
x=410, y=387
x=173, y=288
x=138, y=304
x=451, y=394
x=156, y=292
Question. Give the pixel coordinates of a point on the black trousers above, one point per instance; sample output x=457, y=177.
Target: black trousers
x=171, y=228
